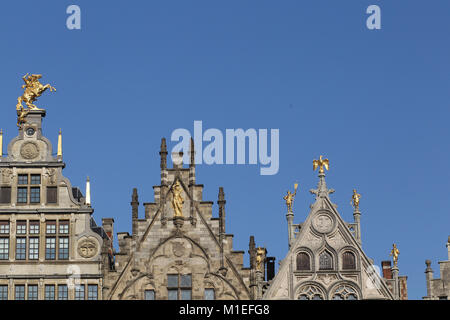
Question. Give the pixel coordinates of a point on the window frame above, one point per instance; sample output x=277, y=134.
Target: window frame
x=180, y=289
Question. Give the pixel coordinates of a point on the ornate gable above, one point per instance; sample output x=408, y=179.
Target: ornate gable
x=325, y=260
x=179, y=239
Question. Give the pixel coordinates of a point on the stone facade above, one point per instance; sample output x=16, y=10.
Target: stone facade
x=181, y=256
x=49, y=242
x=438, y=289
x=326, y=261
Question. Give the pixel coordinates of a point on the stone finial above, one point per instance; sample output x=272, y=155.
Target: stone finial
x=134, y=197
x=221, y=196
x=428, y=263
x=192, y=153
x=251, y=251
x=163, y=153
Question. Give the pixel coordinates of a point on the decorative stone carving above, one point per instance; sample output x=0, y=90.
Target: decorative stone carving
x=323, y=223
x=327, y=278
x=7, y=176
x=29, y=150
x=178, y=249
x=87, y=248
x=50, y=173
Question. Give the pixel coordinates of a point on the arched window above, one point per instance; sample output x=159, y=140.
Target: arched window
x=345, y=292
x=348, y=261
x=303, y=262
x=311, y=293
x=325, y=261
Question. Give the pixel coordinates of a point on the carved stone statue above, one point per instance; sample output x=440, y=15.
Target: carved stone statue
x=177, y=200
x=394, y=253
x=355, y=199
x=33, y=89
x=289, y=197
x=260, y=256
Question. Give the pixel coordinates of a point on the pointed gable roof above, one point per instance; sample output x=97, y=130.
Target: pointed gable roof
x=324, y=230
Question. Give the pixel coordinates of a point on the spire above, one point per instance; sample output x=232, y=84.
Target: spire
x=134, y=211
x=163, y=154
x=192, y=163
x=322, y=189
x=221, y=202
x=1, y=143
x=88, y=192
x=59, y=155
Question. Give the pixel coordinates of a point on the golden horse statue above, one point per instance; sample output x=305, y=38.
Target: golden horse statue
x=33, y=89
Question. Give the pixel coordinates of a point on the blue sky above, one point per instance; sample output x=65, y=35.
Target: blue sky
x=376, y=103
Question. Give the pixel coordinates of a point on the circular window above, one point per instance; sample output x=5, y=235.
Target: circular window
x=30, y=131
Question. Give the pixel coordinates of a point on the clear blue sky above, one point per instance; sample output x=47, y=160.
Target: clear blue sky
x=376, y=103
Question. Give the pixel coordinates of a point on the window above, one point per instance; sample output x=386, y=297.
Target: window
x=34, y=227
x=4, y=227
x=50, y=248
x=22, y=195
x=325, y=261
x=35, y=179
x=64, y=227
x=33, y=188
x=5, y=195
x=92, y=292
x=179, y=287
x=20, y=292
x=33, y=252
x=440, y=298
x=52, y=193
x=79, y=292
x=303, y=262
x=32, y=292
x=62, y=292
x=51, y=227
x=35, y=195
x=311, y=292
x=21, y=248
x=21, y=227
x=3, y=292
x=4, y=248
x=22, y=179
x=149, y=295
x=209, y=294
x=348, y=261
x=345, y=292
x=63, y=253
x=49, y=292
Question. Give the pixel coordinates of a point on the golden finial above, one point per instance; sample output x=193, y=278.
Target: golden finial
x=59, y=144
x=1, y=143
x=321, y=163
x=289, y=197
x=355, y=199
x=394, y=253
x=88, y=192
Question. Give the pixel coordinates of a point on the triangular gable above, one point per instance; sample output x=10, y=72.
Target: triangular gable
x=325, y=230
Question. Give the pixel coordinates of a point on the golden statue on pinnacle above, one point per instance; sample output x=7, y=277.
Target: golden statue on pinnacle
x=289, y=197
x=33, y=89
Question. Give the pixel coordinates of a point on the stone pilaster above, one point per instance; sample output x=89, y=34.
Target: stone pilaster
x=357, y=220
x=290, y=220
